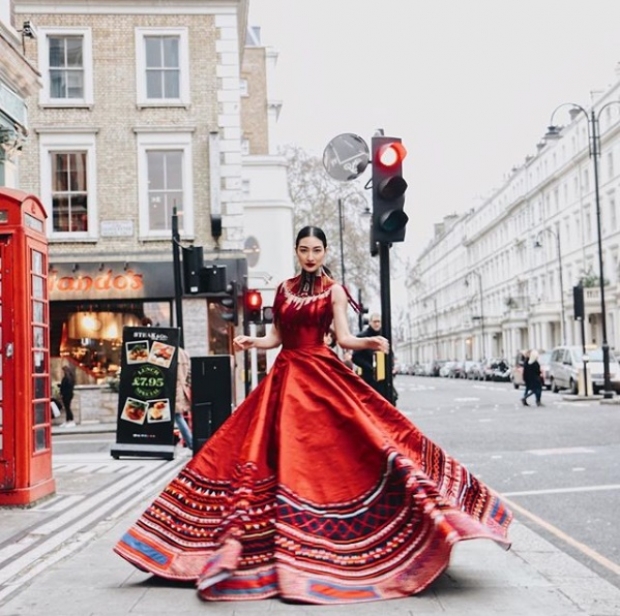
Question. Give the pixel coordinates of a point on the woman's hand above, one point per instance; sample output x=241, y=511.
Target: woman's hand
x=242, y=343
x=379, y=343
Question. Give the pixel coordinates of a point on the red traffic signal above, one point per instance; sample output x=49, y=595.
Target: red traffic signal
x=253, y=303
x=388, y=190
x=391, y=154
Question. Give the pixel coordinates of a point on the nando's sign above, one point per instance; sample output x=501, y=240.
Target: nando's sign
x=92, y=281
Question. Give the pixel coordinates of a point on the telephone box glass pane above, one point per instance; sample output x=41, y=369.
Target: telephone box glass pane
x=37, y=287
x=39, y=439
x=37, y=337
x=37, y=312
x=39, y=413
x=37, y=262
x=38, y=361
x=39, y=387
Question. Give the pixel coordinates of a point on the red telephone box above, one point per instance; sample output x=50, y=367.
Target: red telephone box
x=25, y=420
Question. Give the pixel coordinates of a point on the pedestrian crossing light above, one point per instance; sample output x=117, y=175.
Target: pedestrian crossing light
x=388, y=190
x=253, y=304
x=231, y=302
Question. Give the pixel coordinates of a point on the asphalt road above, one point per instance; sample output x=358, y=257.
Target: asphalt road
x=558, y=464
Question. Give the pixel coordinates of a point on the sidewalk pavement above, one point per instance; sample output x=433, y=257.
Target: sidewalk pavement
x=533, y=578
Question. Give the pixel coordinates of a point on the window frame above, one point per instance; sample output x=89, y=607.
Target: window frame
x=45, y=94
x=59, y=142
x=184, y=86
x=164, y=142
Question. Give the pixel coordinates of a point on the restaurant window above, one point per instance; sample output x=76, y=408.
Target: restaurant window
x=90, y=336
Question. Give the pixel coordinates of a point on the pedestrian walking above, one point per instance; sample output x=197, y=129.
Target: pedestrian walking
x=532, y=377
x=316, y=489
x=67, y=386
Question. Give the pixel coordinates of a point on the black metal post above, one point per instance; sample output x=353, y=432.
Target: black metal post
x=584, y=355
x=386, y=311
x=247, y=364
x=176, y=264
x=557, y=237
x=607, y=392
x=341, y=229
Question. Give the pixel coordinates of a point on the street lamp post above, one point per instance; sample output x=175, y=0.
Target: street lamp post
x=538, y=244
x=479, y=276
x=553, y=132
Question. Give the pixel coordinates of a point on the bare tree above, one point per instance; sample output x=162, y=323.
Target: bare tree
x=315, y=196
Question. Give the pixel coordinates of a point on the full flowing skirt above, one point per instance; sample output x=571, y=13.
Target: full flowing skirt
x=317, y=490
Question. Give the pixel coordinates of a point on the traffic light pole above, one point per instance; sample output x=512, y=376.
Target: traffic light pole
x=247, y=367
x=386, y=318
x=176, y=264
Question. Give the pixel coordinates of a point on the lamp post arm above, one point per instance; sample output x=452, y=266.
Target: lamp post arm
x=591, y=133
x=607, y=104
x=574, y=105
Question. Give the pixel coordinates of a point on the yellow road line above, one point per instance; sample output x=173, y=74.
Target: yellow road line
x=589, y=552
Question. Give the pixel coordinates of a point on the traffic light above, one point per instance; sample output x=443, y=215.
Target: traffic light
x=388, y=190
x=268, y=314
x=363, y=317
x=231, y=301
x=253, y=302
x=193, y=260
x=578, y=305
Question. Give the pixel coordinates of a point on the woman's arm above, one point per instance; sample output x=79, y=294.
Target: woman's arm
x=344, y=337
x=271, y=340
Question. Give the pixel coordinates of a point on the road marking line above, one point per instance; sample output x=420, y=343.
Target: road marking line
x=62, y=528
x=601, y=488
x=589, y=552
x=559, y=451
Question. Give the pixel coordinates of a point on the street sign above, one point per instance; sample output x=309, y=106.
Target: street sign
x=346, y=157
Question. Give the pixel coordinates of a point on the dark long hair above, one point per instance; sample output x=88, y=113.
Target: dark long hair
x=317, y=232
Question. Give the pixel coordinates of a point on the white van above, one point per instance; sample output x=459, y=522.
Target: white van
x=567, y=361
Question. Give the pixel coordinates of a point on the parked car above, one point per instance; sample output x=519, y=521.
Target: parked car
x=457, y=370
x=475, y=371
x=567, y=361
x=447, y=368
x=496, y=369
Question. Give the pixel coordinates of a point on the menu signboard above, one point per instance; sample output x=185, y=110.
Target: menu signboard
x=145, y=419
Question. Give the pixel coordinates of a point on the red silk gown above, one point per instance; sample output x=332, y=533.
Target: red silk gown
x=316, y=489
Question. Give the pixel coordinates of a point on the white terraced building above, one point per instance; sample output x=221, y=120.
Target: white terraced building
x=489, y=283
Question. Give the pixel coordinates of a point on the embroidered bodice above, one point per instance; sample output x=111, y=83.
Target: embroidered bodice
x=303, y=315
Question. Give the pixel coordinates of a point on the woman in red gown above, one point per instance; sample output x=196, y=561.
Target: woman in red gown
x=316, y=489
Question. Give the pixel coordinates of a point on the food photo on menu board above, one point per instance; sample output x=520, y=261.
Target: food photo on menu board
x=134, y=410
x=137, y=351
x=161, y=354
x=158, y=411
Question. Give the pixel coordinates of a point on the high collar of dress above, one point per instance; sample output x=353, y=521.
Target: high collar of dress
x=310, y=283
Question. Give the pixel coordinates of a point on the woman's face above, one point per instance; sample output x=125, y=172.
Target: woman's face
x=310, y=254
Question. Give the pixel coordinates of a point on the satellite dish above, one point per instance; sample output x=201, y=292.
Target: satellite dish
x=346, y=157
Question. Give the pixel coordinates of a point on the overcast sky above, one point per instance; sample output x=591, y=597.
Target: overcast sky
x=469, y=85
